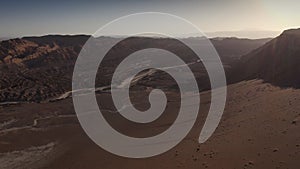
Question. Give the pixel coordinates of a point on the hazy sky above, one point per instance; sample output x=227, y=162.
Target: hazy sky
x=37, y=17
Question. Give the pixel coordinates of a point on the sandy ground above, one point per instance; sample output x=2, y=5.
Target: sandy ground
x=259, y=129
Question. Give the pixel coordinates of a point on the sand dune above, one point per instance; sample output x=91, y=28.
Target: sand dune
x=259, y=130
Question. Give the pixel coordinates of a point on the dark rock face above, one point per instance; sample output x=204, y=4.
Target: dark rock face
x=276, y=62
x=37, y=68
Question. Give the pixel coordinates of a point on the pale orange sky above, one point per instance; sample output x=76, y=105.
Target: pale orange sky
x=219, y=17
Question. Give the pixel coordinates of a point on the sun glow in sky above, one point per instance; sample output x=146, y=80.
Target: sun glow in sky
x=216, y=18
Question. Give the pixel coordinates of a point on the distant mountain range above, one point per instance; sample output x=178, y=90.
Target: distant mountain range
x=252, y=34
x=249, y=34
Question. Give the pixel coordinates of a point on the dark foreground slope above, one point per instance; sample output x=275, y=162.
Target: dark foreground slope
x=276, y=62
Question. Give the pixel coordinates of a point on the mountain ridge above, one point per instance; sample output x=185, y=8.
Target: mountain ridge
x=41, y=68
x=276, y=62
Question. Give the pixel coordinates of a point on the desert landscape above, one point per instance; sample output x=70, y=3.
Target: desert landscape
x=259, y=128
